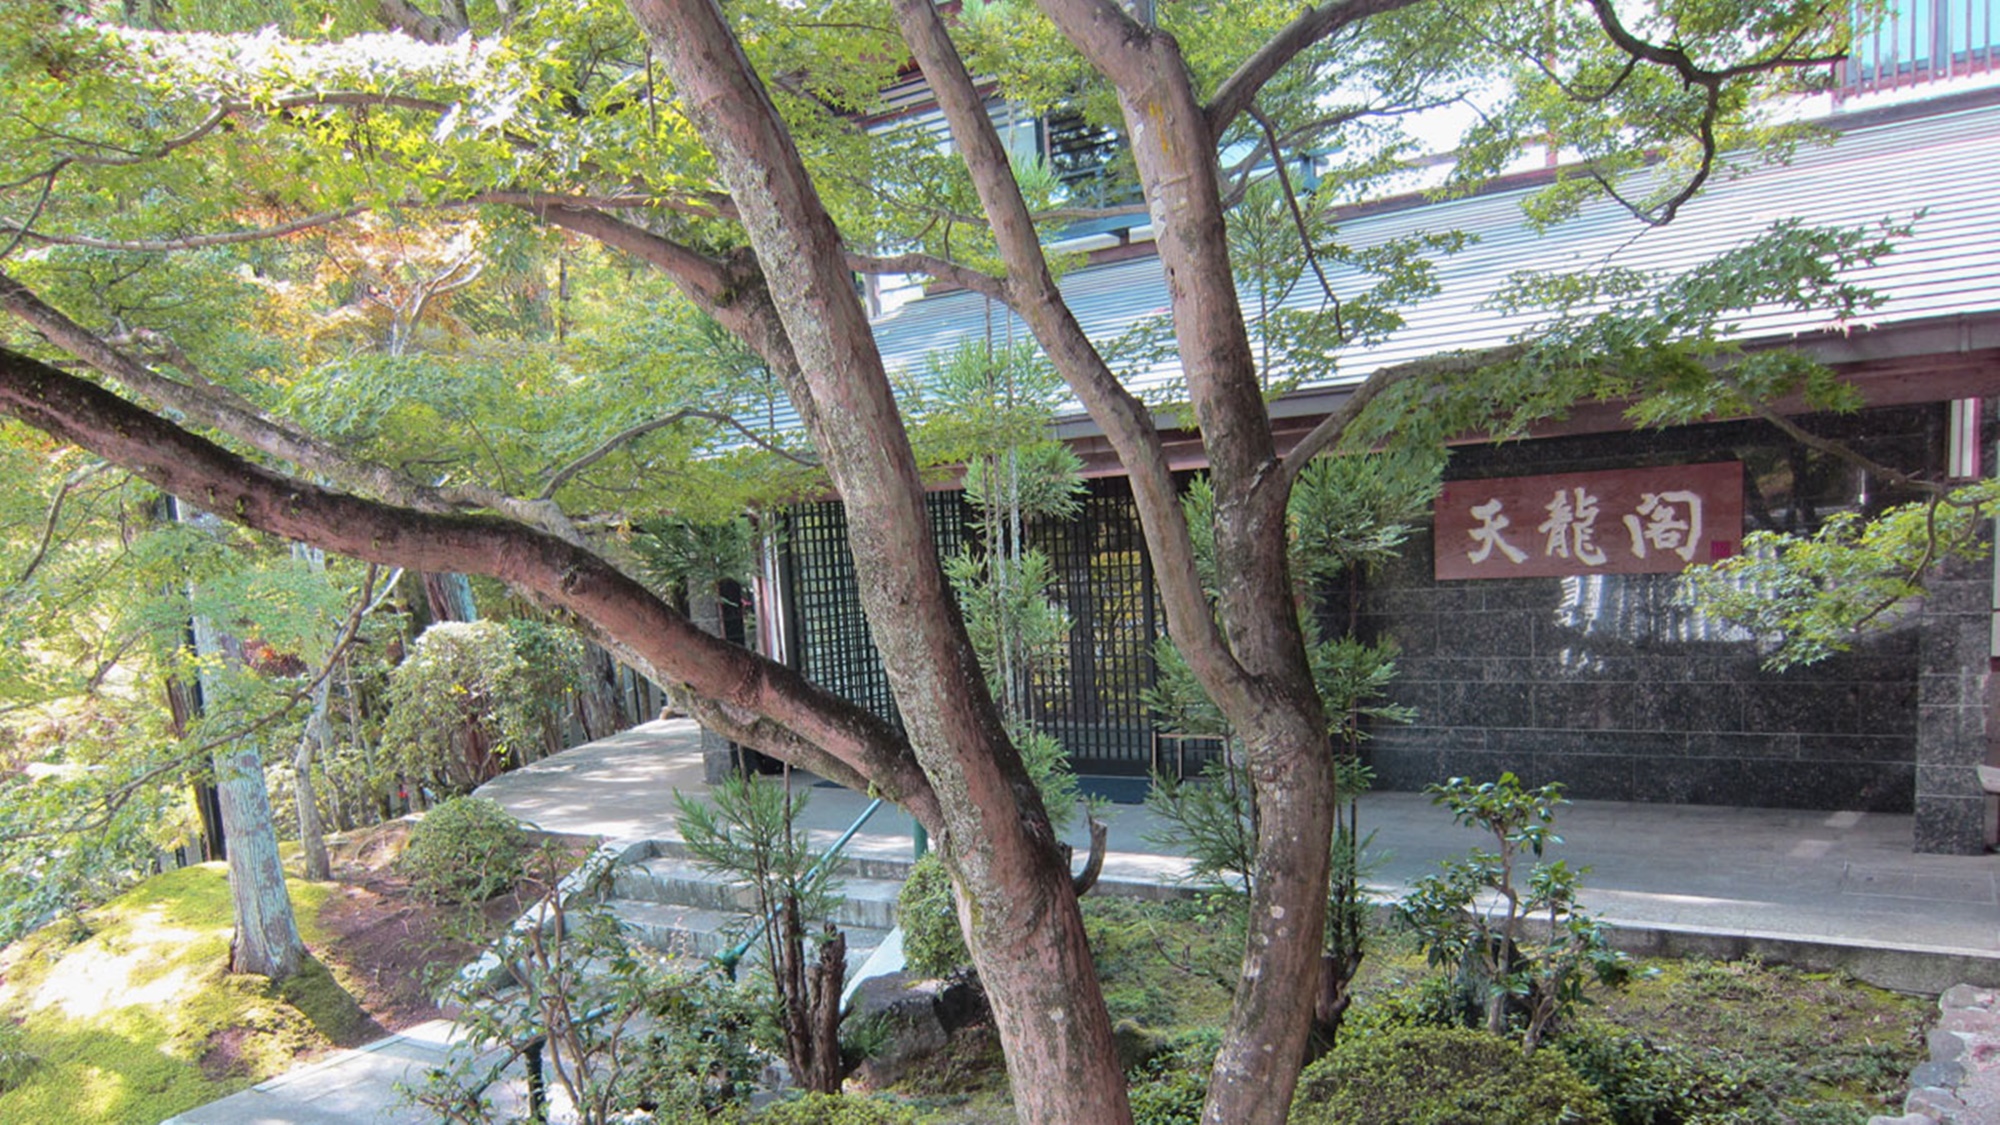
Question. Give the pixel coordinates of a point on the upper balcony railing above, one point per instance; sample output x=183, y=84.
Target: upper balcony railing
x=1920, y=41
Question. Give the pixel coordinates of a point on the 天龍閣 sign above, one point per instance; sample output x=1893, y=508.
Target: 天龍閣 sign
x=1616, y=521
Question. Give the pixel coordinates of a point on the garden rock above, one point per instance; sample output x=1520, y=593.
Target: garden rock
x=902, y=1015
x=1961, y=1083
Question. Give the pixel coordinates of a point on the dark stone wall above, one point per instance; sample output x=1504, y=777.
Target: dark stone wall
x=1954, y=711
x=1611, y=685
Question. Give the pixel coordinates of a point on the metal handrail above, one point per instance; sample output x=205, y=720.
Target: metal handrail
x=529, y=1050
x=729, y=959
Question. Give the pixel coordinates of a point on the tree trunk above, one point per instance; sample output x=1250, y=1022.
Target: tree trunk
x=267, y=938
x=450, y=597
x=1268, y=696
x=312, y=836
x=809, y=991
x=823, y=1012
x=183, y=704
x=719, y=760
x=316, y=737
x=1022, y=922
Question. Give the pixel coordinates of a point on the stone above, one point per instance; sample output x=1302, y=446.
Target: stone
x=898, y=1019
x=1982, y=1103
x=1939, y=1103
x=1946, y=1046
x=1974, y=1020
x=1942, y=1074
x=960, y=1001
x=1966, y=996
x=1906, y=1119
x=1137, y=1043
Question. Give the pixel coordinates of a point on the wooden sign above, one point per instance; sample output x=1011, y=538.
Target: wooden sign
x=1616, y=521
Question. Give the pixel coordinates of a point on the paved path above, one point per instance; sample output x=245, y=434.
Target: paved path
x=357, y=1087
x=1842, y=877
x=1841, y=886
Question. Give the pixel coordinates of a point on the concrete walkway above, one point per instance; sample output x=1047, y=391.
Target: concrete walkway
x=1688, y=872
x=1840, y=889
x=357, y=1087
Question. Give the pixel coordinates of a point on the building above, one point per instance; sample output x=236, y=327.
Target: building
x=1533, y=646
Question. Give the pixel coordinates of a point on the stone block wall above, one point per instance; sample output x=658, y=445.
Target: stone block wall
x=1953, y=711
x=1610, y=684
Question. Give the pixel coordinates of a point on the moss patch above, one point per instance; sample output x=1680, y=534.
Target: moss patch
x=1169, y=967
x=134, y=1017
x=1793, y=1045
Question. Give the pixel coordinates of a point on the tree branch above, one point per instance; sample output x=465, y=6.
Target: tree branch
x=21, y=232
x=563, y=475
x=944, y=269
x=1841, y=450
x=1240, y=89
x=75, y=481
x=1328, y=431
x=403, y=16
x=1691, y=73
x=704, y=276
x=1126, y=421
x=184, y=465
x=1299, y=218
x=219, y=408
x=190, y=242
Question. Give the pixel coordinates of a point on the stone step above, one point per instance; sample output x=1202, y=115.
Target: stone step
x=677, y=931
x=684, y=931
x=677, y=881
x=851, y=866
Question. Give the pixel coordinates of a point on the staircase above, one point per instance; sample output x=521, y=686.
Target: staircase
x=664, y=901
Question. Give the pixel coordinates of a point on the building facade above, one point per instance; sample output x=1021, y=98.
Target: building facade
x=1566, y=663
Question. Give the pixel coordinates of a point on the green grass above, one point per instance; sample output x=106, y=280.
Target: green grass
x=119, y=1021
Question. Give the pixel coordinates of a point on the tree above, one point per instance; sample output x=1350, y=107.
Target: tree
x=754, y=188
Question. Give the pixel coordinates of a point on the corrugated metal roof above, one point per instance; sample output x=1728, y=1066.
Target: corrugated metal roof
x=1946, y=166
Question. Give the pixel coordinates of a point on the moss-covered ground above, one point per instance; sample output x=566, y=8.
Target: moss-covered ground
x=127, y=1013
x=130, y=1013
x=130, y=1016
x=1748, y=1043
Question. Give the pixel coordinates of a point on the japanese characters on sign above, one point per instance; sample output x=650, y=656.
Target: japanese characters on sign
x=1617, y=521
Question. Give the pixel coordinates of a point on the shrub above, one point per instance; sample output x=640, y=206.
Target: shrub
x=1643, y=1083
x=464, y=850
x=1169, y=1097
x=932, y=943
x=1430, y=1001
x=464, y=705
x=836, y=1109
x=1443, y=1076
x=624, y=1032
x=1170, y=1087
x=1538, y=979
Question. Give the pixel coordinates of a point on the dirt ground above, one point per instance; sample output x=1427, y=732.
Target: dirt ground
x=395, y=945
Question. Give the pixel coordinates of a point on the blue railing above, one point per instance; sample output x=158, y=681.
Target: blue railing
x=728, y=960
x=530, y=1049
x=1918, y=41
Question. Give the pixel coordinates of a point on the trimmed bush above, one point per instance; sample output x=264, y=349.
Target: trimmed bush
x=465, y=850
x=932, y=945
x=1643, y=1083
x=1443, y=1076
x=836, y=1109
